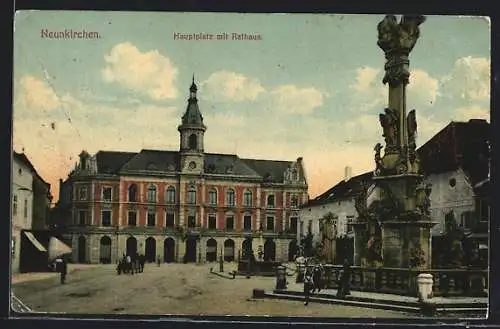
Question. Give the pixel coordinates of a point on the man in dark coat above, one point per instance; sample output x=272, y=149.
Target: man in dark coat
x=64, y=270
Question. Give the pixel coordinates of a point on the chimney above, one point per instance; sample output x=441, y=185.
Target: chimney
x=347, y=173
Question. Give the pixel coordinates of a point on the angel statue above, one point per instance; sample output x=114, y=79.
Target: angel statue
x=389, y=122
x=412, y=134
x=409, y=32
x=387, y=33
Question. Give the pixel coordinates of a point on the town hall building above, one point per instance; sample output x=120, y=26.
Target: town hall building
x=180, y=206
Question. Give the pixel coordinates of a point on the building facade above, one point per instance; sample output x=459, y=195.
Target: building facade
x=185, y=205
x=30, y=205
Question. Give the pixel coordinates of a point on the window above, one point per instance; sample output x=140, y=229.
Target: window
x=82, y=193
x=107, y=193
x=230, y=222
x=310, y=226
x=152, y=193
x=453, y=182
x=295, y=175
x=484, y=210
x=171, y=195
x=270, y=223
x=193, y=142
x=151, y=218
x=25, y=208
x=212, y=222
x=192, y=196
x=170, y=219
x=132, y=218
x=247, y=198
x=14, y=205
x=82, y=217
x=295, y=201
x=106, y=218
x=230, y=197
x=270, y=201
x=302, y=227
x=132, y=193
x=293, y=224
x=191, y=221
x=350, y=222
x=212, y=196
x=247, y=222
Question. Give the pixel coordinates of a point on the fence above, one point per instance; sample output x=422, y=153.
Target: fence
x=447, y=282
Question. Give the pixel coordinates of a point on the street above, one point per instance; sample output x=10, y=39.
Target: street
x=180, y=289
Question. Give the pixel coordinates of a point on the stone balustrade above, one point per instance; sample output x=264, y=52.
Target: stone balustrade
x=403, y=281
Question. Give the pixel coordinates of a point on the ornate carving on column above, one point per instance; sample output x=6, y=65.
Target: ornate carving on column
x=399, y=130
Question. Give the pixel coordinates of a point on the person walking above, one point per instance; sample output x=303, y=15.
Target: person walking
x=64, y=270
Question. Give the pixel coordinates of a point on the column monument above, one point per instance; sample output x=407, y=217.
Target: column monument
x=396, y=207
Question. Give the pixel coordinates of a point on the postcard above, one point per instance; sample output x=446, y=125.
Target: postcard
x=212, y=164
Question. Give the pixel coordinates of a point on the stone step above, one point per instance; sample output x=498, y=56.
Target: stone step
x=414, y=302
x=323, y=300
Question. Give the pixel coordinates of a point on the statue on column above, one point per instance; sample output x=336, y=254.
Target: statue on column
x=397, y=41
x=412, y=134
x=390, y=123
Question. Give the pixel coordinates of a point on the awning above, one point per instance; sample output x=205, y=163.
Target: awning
x=57, y=248
x=35, y=242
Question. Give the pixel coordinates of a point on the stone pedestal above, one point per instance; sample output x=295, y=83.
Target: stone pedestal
x=402, y=239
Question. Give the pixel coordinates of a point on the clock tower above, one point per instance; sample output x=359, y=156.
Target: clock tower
x=191, y=132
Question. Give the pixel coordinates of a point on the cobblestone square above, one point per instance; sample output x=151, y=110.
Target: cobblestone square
x=180, y=289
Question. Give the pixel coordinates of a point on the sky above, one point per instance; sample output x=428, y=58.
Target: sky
x=311, y=86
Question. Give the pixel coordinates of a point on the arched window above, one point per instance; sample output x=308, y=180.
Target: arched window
x=152, y=193
x=192, y=195
x=212, y=196
x=247, y=198
x=171, y=195
x=193, y=142
x=295, y=175
x=270, y=201
x=230, y=197
x=132, y=193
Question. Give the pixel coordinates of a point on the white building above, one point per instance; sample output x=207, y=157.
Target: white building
x=22, y=203
x=340, y=202
x=27, y=187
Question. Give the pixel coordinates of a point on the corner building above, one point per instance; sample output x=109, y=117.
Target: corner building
x=181, y=206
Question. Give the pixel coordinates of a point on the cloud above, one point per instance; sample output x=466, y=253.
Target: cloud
x=149, y=73
x=54, y=138
x=35, y=94
x=469, y=79
x=226, y=85
x=367, y=91
x=474, y=112
x=422, y=89
x=294, y=100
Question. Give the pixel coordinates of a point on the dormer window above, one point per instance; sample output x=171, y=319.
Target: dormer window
x=295, y=175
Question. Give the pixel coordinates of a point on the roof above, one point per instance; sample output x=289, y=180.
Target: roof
x=152, y=160
x=458, y=145
x=22, y=158
x=110, y=162
x=344, y=189
x=228, y=164
x=270, y=170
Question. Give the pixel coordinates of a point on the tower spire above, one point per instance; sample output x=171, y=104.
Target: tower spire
x=193, y=89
